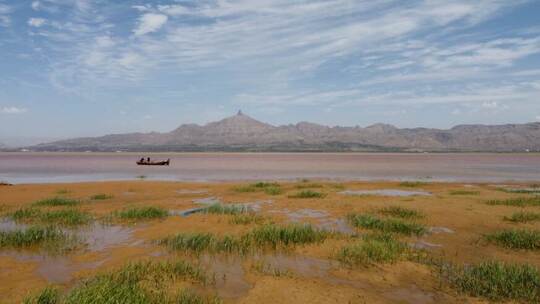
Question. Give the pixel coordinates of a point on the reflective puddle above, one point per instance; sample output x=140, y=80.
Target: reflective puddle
x=385, y=192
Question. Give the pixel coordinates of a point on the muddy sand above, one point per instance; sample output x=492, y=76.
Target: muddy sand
x=455, y=218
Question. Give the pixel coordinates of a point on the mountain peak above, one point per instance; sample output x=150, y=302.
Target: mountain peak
x=239, y=113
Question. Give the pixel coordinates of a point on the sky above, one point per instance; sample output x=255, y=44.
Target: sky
x=91, y=67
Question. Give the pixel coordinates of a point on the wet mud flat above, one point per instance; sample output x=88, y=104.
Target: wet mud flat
x=305, y=241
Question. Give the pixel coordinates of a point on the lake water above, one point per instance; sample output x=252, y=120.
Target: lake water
x=76, y=167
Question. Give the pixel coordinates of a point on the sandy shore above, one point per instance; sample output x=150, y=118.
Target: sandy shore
x=456, y=218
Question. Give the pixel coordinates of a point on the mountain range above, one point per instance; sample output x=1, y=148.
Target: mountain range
x=243, y=133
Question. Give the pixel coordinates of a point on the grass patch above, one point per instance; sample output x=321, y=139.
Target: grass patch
x=226, y=209
x=412, y=184
x=309, y=185
x=308, y=194
x=371, y=222
x=48, y=295
x=62, y=191
x=373, y=249
x=57, y=201
x=141, y=177
x=401, y=212
x=497, y=281
x=142, y=213
x=100, y=197
x=284, y=236
x=268, y=188
x=141, y=282
x=268, y=269
x=273, y=190
x=516, y=239
x=246, y=219
x=68, y=217
x=265, y=237
x=523, y=217
x=49, y=237
x=520, y=202
x=244, y=189
x=464, y=192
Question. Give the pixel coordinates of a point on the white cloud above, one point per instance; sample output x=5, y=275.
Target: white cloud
x=5, y=19
x=36, y=22
x=149, y=23
x=12, y=110
x=490, y=104
x=36, y=5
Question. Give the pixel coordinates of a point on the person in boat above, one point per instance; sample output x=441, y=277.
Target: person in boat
x=141, y=160
x=148, y=159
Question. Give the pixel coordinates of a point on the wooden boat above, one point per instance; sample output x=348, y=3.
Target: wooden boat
x=161, y=163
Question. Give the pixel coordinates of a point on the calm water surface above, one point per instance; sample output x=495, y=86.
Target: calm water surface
x=75, y=167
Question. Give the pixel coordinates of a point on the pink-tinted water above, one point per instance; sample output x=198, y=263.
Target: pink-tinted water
x=72, y=167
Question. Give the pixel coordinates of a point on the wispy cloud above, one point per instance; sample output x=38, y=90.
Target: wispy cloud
x=12, y=110
x=5, y=19
x=149, y=23
x=36, y=22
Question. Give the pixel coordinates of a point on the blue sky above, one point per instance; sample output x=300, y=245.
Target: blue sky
x=90, y=67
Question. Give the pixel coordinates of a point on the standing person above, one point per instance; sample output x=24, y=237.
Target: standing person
x=148, y=159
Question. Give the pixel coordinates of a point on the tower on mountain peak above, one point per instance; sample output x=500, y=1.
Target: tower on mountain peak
x=239, y=112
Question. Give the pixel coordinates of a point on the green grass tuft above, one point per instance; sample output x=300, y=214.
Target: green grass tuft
x=516, y=239
x=99, y=197
x=141, y=282
x=268, y=188
x=246, y=219
x=226, y=209
x=274, y=236
x=308, y=194
x=371, y=250
x=57, y=201
x=412, y=184
x=264, y=237
x=464, y=192
x=142, y=213
x=401, y=212
x=309, y=185
x=520, y=202
x=497, y=281
x=68, y=217
x=368, y=221
x=273, y=191
x=190, y=297
x=48, y=237
x=48, y=295
x=523, y=217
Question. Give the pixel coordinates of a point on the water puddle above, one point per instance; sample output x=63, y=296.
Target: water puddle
x=385, y=192
x=187, y=192
x=229, y=275
x=322, y=218
x=424, y=245
x=437, y=230
x=257, y=206
x=207, y=201
x=99, y=237
x=307, y=267
x=187, y=212
x=59, y=269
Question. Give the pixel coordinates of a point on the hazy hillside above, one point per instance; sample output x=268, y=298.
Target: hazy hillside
x=243, y=133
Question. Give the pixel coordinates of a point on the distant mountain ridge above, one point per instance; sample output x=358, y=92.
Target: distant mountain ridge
x=243, y=133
